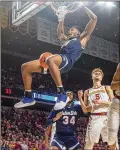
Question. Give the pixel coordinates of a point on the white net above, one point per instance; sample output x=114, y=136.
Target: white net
x=67, y=6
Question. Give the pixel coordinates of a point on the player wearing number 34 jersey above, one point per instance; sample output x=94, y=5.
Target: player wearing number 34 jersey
x=65, y=137
x=96, y=100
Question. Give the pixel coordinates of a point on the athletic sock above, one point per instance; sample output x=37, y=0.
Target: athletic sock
x=28, y=94
x=60, y=90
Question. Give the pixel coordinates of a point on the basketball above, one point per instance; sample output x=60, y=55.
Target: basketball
x=43, y=57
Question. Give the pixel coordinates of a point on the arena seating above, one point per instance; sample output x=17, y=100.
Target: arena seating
x=25, y=128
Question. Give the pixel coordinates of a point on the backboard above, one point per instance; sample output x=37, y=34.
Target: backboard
x=23, y=10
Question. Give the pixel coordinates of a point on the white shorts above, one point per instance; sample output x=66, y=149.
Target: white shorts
x=113, y=121
x=97, y=126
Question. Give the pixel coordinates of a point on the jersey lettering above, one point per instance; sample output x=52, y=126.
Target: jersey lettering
x=72, y=120
x=69, y=120
x=66, y=120
x=97, y=96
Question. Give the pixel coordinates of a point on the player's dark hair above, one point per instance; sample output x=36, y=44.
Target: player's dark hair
x=72, y=93
x=78, y=28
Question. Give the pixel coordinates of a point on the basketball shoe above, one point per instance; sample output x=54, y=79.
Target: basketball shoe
x=25, y=102
x=61, y=101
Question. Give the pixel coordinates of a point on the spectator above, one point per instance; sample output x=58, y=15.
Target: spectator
x=23, y=130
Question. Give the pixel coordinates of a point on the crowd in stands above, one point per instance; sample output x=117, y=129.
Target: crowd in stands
x=24, y=129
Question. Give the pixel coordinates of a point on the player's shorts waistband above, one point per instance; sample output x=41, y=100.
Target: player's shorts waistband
x=99, y=114
x=64, y=134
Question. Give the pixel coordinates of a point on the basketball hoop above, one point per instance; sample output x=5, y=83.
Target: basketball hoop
x=68, y=7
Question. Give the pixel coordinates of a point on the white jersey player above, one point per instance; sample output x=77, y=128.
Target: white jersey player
x=114, y=112
x=96, y=100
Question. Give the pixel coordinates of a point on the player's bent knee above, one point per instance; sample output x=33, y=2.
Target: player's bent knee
x=49, y=61
x=56, y=59
x=111, y=142
x=112, y=139
x=23, y=67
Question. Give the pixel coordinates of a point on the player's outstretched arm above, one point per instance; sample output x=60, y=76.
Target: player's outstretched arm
x=60, y=31
x=115, y=85
x=85, y=35
x=91, y=24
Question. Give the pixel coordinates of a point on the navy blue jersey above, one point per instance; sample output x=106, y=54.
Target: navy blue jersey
x=72, y=49
x=66, y=125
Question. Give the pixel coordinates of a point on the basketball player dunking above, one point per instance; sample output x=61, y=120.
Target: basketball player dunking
x=114, y=112
x=96, y=100
x=70, y=52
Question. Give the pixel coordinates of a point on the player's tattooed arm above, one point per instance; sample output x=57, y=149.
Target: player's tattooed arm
x=85, y=35
x=60, y=31
x=115, y=85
